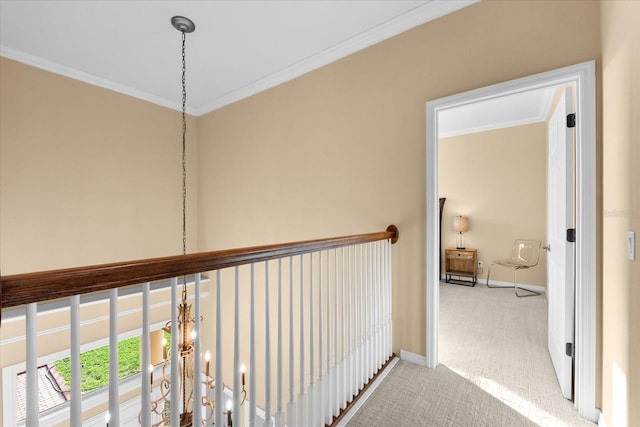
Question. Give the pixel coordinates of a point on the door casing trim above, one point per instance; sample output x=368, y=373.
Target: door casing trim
x=583, y=75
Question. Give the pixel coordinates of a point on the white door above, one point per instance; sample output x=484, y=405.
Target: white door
x=561, y=255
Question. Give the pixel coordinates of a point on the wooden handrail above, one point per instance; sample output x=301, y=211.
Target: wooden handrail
x=19, y=289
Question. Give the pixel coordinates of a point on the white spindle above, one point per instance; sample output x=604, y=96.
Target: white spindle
x=146, y=360
x=219, y=392
x=236, y=352
x=291, y=408
x=252, y=350
x=321, y=381
x=197, y=362
x=32, y=405
x=302, y=410
x=371, y=351
x=114, y=396
x=311, y=393
x=372, y=302
x=381, y=305
x=336, y=378
x=350, y=351
x=369, y=314
x=352, y=316
x=329, y=399
x=363, y=309
x=267, y=350
x=343, y=361
x=175, y=361
x=279, y=416
x=75, y=416
x=389, y=307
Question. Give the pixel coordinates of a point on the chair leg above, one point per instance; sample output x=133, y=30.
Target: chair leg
x=515, y=286
x=489, y=275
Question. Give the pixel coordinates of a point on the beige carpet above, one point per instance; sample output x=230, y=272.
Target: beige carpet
x=415, y=396
x=495, y=369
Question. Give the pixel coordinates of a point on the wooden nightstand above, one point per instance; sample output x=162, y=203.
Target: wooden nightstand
x=461, y=262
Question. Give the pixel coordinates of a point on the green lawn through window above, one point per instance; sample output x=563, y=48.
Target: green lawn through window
x=94, y=364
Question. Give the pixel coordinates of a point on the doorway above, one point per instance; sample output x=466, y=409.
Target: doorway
x=583, y=77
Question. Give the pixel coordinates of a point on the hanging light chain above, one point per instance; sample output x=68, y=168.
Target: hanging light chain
x=184, y=147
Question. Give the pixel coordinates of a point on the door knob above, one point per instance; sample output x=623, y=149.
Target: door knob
x=547, y=248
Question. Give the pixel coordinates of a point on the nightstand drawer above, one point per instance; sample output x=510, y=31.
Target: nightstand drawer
x=460, y=255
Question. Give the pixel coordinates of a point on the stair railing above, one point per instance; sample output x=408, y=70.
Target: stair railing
x=332, y=307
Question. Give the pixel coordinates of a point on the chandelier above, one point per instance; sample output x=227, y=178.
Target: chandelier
x=185, y=328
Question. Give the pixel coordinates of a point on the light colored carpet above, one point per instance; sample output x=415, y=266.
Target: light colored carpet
x=495, y=369
x=412, y=395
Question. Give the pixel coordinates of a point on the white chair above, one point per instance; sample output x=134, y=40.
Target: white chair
x=524, y=255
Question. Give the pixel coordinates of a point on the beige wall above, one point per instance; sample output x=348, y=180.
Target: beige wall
x=87, y=176
x=621, y=188
x=498, y=179
x=342, y=149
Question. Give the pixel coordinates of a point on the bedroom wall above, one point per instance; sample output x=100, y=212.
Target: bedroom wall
x=341, y=150
x=498, y=179
x=621, y=186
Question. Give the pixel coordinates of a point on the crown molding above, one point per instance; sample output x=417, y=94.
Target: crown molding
x=413, y=18
x=56, y=68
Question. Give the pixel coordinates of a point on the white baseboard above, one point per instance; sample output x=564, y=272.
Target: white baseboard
x=413, y=358
x=500, y=284
x=602, y=422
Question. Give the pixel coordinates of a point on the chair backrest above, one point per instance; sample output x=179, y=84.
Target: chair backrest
x=525, y=252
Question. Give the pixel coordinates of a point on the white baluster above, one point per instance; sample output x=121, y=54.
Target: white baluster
x=252, y=350
x=350, y=351
x=175, y=361
x=361, y=315
x=336, y=378
x=389, y=307
x=343, y=359
x=32, y=406
x=291, y=406
x=146, y=376
x=381, y=357
x=319, y=420
x=354, y=299
x=219, y=392
x=328, y=414
x=302, y=410
x=267, y=350
x=279, y=415
x=76, y=377
x=114, y=396
x=310, y=394
x=376, y=311
x=236, y=352
x=371, y=351
x=197, y=362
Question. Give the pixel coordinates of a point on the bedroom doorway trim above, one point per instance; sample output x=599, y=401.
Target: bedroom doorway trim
x=584, y=77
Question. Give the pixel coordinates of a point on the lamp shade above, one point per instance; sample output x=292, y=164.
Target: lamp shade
x=460, y=224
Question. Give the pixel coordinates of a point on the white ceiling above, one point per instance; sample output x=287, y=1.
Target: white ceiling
x=506, y=111
x=239, y=47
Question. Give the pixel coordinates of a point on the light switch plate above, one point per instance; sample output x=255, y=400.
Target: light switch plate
x=631, y=245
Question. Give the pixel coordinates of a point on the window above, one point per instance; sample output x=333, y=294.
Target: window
x=54, y=379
